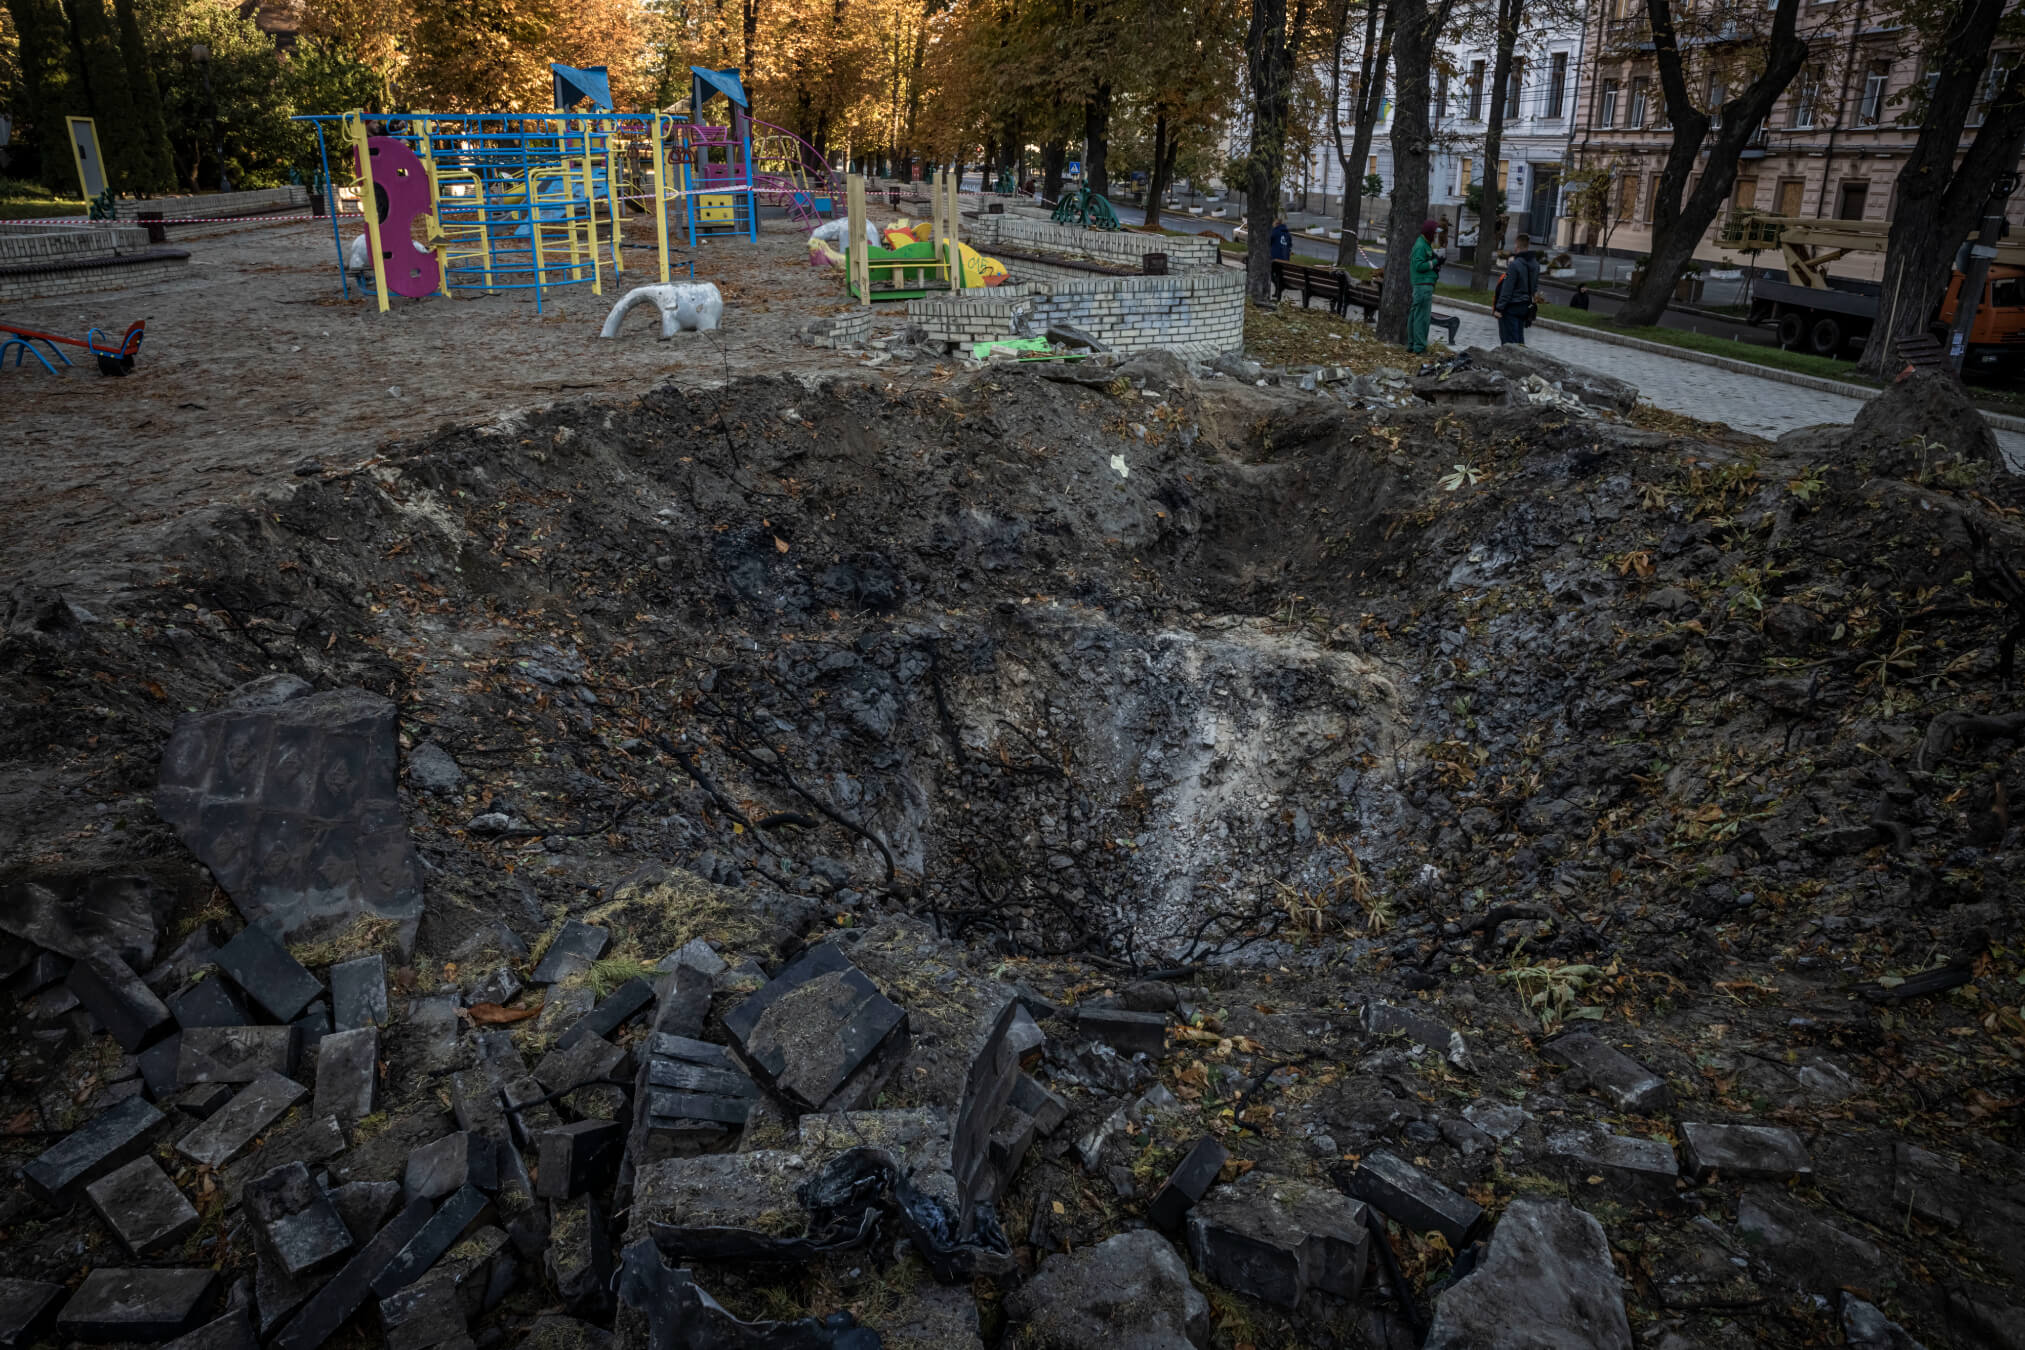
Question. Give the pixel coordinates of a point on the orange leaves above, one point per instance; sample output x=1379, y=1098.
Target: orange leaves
x=492, y=1014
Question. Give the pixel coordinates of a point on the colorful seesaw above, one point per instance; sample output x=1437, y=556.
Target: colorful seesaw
x=112, y=360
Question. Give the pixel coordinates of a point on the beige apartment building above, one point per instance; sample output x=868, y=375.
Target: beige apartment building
x=1833, y=145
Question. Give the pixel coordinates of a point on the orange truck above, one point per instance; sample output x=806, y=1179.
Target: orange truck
x=1827, y=315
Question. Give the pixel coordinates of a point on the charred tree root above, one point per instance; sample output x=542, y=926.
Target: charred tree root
x=1946, y=729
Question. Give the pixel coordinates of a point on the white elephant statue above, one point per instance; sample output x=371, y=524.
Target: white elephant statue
x=691, y=304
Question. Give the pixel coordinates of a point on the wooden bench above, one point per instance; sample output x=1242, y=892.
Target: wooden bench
x=1332, y=284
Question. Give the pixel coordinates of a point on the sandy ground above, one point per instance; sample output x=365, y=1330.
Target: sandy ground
x=253, y=363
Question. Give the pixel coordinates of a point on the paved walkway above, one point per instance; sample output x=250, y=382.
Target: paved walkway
x=1747, y=402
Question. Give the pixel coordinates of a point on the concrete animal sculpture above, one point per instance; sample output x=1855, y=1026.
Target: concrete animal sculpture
x=691, y=304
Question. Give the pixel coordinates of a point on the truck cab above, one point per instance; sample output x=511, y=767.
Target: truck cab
x=1997, y=340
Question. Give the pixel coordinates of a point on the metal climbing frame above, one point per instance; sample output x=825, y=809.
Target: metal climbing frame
x=513, y=201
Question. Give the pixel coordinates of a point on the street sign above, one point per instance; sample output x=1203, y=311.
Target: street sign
x=84, y=150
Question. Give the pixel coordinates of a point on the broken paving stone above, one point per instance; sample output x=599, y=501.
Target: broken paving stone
x=109, y=1140
x=1640, y=1171
x=579, y=1157
x=124, y=1005
x=475, y=1102
x=461, y=1213
x=1187, y=1184
x=432, y=769
x=204, y=1100
x=1132, y=1288
x=426, y=1041
x=1127, y=1032
x=261, y=966
x=310, y=1029
x=1546, y=1282
x=1024, y=1036
x=1277, y=1239
x=235, y=1054
x=310, y=1142
x=1385, y=1019
x=1497, y=1119
x=481, y=1269
x=27, y=1308
x=365, y=1206
x=332, y=1306
x=348, y=1075
x=1400, y=1191
x=574, y=949
x=159, y=1064
x=1612, y=1075
x=181, y=965
x=142, y=1207
x=1867, y=1328
x=258, y=1105
x=233, y=1331
x=1047, y=1109
x=1932, y=1187
x=421, y=1316
x=528, y=1110
x=501, y=986
x=579, y=1256
x=619, y=1007
x=1009, y=1143
x=562, y=1009
x=358, y=993
x=451, y=1163
x=294, y=810
x=136, y=1305
x=593, y=1059
x=1743, y=1152
x=820, y=1033
x=698, y=954
x=209, y=1003
x=299, y=1225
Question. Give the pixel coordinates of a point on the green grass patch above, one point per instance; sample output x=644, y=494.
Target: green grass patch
x=1801, y=363
x=21, y=200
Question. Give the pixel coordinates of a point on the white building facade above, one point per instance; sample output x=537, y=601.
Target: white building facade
x=1540, y=118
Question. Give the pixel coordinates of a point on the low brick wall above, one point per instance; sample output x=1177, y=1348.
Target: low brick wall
x=257, y=202
x=46, y=260
x=1198, y=314
x=1116, y=247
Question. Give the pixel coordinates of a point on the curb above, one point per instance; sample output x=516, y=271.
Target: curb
x=1862, y=393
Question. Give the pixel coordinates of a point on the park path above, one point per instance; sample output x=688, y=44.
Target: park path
x=1752, y=403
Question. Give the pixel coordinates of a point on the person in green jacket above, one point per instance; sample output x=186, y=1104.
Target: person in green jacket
x=1423, y=272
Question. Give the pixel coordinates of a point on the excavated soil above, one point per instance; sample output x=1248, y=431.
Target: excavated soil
x=1522, y=717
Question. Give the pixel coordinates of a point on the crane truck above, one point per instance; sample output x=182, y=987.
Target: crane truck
x=1816, y=312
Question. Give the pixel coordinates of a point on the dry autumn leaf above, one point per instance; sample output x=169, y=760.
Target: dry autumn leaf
x=780, y=545
x=492, y=1014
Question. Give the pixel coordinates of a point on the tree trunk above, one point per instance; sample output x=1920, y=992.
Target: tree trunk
x=1054, y=163
x=1156, y=182
x=1269, y=62
x=914, y=77
x=46, y=85
x=1370, y=101
x=746, y=74
x=1510, y=13
x=1676, y=228
x=1097, y=139
x=1938, y=202
x=128, y=163
x=1416, y=28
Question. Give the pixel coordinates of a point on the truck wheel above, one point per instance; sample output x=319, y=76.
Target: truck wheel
x=1825, y=337
x=1791, y=329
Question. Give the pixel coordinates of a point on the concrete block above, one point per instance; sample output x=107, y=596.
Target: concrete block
x=108, y=1141
x=142, y=1207
x=261, y=966
x=1743, y=1152
x=1401, y=1191
x=348, y=1074
x=1277, y=1239
x=136, y=1305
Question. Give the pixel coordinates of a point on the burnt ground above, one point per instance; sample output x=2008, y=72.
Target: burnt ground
x=1521, y=718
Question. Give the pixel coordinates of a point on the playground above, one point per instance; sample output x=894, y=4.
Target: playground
x=256, y=366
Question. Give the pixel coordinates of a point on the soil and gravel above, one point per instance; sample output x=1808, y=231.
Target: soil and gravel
x=1520, y=718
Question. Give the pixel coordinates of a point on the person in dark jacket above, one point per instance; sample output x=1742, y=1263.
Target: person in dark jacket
x=1580, y=300
x=1282, y=240
x=1517, y=293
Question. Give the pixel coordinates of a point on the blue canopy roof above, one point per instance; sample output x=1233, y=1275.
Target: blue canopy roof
x=723, y=82
x=573, y=86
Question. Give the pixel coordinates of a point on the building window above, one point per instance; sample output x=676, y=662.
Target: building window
x=1806, y=93
x=1870, y=111
x=1627, y=195
x=1513, y=84
x=1371, y=166
x=1606, y=106
x=1640, y=88
x=1462, y=177
x=1476, y=90
x=1993, y=84
x=1441, y=93
x=1557, y=83
x=1745, y=196
x=1850, y=201
x=1791, y=192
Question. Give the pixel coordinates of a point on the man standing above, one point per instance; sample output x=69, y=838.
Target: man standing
x=1516, y=295
x=1282, y=240
x=1422, y=272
